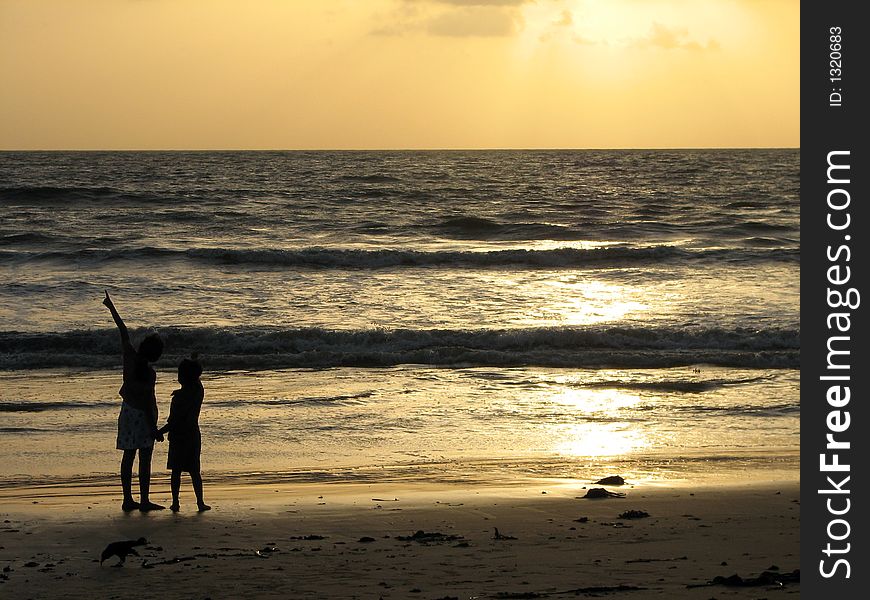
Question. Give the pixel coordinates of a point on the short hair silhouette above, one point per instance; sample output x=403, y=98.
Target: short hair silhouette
x=189, y=371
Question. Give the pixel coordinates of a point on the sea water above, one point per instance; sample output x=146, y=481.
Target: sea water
x=435, y=314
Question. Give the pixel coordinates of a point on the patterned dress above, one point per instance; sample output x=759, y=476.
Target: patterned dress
x=135, y=425
x=134, y=431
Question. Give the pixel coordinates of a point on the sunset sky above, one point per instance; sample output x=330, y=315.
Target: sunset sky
x=299, y=74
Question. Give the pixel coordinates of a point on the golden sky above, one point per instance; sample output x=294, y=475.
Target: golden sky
x=294, y=74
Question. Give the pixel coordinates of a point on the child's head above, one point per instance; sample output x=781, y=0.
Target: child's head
x=189, y=371
x=151, y=348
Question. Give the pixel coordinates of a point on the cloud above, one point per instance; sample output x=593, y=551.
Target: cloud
x=475, y=2
x=557, y=26
x=565, y=19
x=455, y=18
x=673, y=38
x=475, y=22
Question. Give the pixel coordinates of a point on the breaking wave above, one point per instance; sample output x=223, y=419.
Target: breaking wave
x=314, y=347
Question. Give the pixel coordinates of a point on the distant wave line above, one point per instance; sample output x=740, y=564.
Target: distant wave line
x=314, y=347
x=338, y=258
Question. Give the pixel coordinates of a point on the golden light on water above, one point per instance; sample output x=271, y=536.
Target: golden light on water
x=592, y=302
x=581, y=300
x=594, y=435
x=595, y=401
x=598, y=439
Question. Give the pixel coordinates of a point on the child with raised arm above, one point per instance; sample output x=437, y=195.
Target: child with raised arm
x=185, y=440
x=137, y=422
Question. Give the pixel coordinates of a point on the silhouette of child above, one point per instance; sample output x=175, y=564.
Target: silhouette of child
x=137, y=422
x=185, y=441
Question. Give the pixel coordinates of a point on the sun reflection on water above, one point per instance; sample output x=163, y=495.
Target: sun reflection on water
x=600, y=425
x=591, y=302
x=598, y=439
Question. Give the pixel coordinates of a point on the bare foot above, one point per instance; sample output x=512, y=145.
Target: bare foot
x=202, y=506
x=174, y=507
x=130, y=505
x=149, y=506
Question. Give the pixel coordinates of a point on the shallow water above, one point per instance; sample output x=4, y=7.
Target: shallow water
x=427, y=422
x=510, y=313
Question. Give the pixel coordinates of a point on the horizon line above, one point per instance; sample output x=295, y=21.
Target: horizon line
x=421, y=149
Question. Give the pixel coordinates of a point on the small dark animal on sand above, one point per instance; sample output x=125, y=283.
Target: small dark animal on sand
x=121, y=550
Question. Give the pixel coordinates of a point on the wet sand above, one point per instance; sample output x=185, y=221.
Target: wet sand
x=362, y=541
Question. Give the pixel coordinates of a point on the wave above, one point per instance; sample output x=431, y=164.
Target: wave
x=373, y=178
x=337, y=258
x=488, y=229
x=469, y=223
x=45, y=194
x=684, y=386
x=12, y=239
x=342, y=400
x=26, y=430
x=28, y=406
x=742, y=410
x=314, y=347
x=755, y=226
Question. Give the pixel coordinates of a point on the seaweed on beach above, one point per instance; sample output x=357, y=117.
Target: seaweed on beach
x=767, y=578
x=424, y=537
x=596, y=493
x=633, y=514
x=596, y=589
x=612, y=480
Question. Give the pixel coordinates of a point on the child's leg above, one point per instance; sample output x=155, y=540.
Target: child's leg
x=196, y=478
x=145, y=479
x=127, y=479
x=175, y=484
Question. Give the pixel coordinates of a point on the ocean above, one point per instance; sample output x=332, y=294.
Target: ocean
x=456, y=315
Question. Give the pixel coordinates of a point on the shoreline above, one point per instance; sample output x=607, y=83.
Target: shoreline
x=704, y=470
x=341, y=540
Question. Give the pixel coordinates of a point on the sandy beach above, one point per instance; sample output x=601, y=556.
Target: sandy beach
x=402, y=281
x=321, y=540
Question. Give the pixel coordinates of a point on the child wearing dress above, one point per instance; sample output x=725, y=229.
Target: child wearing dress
x=137, y=421
x=185, y=441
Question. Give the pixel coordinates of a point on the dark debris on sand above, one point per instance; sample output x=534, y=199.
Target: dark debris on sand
x=500, y=536
x=596, y=493
x=649, y=560
x=767, y=578
x=612, y=480
x=593, y=590
x=633, y=514
x=428, y=537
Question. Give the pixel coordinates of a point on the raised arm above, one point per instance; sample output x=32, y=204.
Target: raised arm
x=125, y=337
